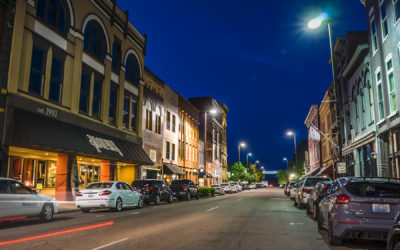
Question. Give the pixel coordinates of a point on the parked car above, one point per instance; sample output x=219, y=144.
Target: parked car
x=361, y=208
x=287, y=187
x=218, y=189
x=260, y=185
x=245, y=186
x=227, y=188
x=234, y=188
x=305, y=189
x=19, y=201
x=253, y=186
x=316, y=196
x=294, y=190
x=114, y=195
x=184, y=189
x=238, y=186
x=153, y=191
x=393, y=240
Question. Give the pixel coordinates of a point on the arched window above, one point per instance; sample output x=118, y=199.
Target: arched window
x=94, y=40
x=132, y=70
x=54, y=13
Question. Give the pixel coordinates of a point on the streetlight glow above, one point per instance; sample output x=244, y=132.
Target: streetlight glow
x=213, y=111
x=316, y=22
x=290, y=133
x=284, y=158
x=242, y=144
x=249, y=154
x=292, y=175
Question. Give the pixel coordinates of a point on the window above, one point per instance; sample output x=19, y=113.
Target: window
x=116, y=56
x=113, y=103
x=96, y=101
x=373, y=31
x=391, y=86
x=4, y=187
x=36, y=80
x=56, y=79
x=173, y=152
x=84, y=94
x=396, y=5
x=384, y=23
x=167, y=150
x=94, y=41
x=132, y=70
x=125, y=113
x=173, y=123
x=133, y=114
x=380, y=94
x=149, y=120
x=129, y=114
x=54, y=13
x=168, y=120
x=158, y=124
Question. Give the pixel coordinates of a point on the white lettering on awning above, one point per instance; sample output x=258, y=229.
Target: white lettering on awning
x=100, y=143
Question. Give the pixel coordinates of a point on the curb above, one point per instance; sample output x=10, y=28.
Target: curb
x=68, y=211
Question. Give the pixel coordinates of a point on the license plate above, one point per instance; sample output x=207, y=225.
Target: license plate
x=90, y=195
x=381, y=208
x=174, y=193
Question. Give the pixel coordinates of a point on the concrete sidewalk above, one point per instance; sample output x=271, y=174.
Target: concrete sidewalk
x=67, y=207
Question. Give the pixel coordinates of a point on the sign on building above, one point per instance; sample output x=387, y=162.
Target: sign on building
x=341, y=168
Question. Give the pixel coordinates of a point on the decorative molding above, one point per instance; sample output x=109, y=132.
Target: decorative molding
x=133, y=52
x=100, y=22
x=50, y=35
x=132, y=89
x=31, y=3
x=92, y=63
x=114, y=77
x=76, y=34
x=108, y=58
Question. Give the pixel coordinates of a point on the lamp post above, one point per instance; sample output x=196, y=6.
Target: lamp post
x=313, y=24
x=292, y=133
x=247, y=160
x=242, y=144
x=287, y=162
x=255, y=163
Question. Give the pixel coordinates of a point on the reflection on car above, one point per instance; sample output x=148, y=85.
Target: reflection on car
x=218, y=189
x=153, y=191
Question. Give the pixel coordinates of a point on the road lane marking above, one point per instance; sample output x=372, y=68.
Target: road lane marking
x=73, y=230
x=100, y=215
x=239, y=199
x=110, y=244
x=212, y=209
x=135, y=213
x=294, y=223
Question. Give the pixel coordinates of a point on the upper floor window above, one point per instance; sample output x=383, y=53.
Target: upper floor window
x=380, y=94
x=129, y=114
x=173, y=123
x=112, y=110
x=168, y=120
x=132, y=70
x=158, y=124
x=56, y=79
x=384, y=22
x=396, y=5
x=94, y=40
x=36, y=79
x=116, y=55
x=54, y=13
x=90, y=81
x=96, y=100
x=374, y=39
x=391, y=86
x=149, y=120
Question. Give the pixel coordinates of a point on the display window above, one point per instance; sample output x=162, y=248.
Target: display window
x=88, y=174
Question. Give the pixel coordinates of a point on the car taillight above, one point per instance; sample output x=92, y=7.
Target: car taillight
x=342, y=199
x=104, y=193
x=149, y=188
x=306, y=190
x=184, y=187
x=79, y=194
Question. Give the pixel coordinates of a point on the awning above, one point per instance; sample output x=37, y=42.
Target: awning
x=326, y=170
x=311, y=172
x=172, y=169
x=36, y=131
x=209, y=175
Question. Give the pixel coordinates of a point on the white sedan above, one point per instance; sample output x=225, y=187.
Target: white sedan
x=227, y=188
x=218, y=189
x=19, y=202
x=115, y=195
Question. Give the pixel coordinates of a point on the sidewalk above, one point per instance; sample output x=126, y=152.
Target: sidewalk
x=67, y=207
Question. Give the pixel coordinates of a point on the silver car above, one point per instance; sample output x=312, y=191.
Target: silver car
x=218, y=189
x=305, y=188
x=227, y=188
x=359, y=208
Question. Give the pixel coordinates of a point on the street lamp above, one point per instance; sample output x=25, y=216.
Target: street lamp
x=241, y=144
x=313, y=24
x=247, y=160
x=292, y=133
x=255, y=163
x=287, y=162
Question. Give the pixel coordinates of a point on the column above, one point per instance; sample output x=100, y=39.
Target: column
x=105, y=171
x=63, y=179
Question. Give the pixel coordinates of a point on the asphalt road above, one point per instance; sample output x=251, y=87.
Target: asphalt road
x=256, y=219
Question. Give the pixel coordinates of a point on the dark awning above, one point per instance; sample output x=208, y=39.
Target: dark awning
x=36, y=131
x=172, y=169
x=207, y=175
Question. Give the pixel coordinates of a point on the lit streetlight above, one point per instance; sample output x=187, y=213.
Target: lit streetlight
x=247, y=160
x=292, y=133
x=287, y=162
x=313, y=24
x=241, y=145
x=255, y=163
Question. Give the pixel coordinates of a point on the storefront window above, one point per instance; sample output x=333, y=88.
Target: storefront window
x=15, y=171
x=88, y=174
x=28, y=173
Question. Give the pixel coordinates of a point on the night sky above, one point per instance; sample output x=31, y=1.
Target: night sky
x=255, y=56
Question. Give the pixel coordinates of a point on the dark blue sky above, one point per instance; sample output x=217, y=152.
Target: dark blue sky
x=254, y=55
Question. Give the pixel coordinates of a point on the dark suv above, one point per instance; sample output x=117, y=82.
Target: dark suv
x=153, y=191
x=184, y=189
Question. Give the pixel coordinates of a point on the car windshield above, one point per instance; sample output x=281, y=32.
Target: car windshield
x=224, y=185
x=179, y=182
x=311, y=182
x=374, y=189
x=100, y=185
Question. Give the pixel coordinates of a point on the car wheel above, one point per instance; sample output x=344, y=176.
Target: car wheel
x=118, y=205
x=319, y=221
x=157, y=200
x=295, y=202
x=170, y=198
x=47, y=212
x=85, y=210
x=315, y=213
x=397, y=246
x=188, y=196
x=299, y=205
x=197, y=195
x=140, y=203
x=333, y=240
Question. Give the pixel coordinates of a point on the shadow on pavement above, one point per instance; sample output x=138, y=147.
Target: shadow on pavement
x=29, y=222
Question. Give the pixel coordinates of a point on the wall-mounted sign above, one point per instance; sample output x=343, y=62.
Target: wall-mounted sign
x=101, y=143
x=153, y=155
x=341, y=168
x=47, y=111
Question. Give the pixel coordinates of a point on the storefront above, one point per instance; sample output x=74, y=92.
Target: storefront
x=57, y=157
x=171, y=172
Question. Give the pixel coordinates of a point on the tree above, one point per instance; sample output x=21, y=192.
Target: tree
x=299, y=168
x=282, y=176
x=238, y=172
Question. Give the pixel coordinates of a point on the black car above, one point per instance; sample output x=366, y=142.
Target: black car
x=393, y=240
x=318, y=193
x=153, y=191
x=184, y=189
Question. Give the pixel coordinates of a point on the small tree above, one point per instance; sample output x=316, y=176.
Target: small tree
x=238, y=172
x=282, y=176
